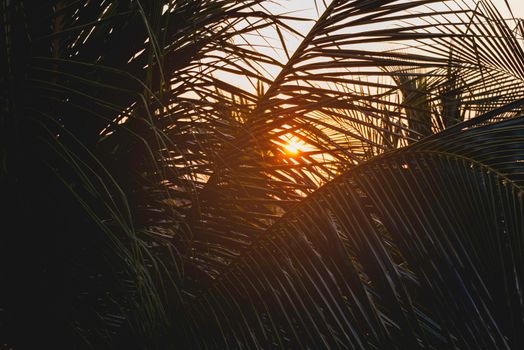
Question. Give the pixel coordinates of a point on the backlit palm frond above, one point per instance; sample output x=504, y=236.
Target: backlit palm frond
x=484, y=70
x=153, y=144
x=415, y=249
x=367, y=78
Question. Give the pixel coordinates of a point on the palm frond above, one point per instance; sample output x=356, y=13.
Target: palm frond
x=368, y=78
x=173, y=153
x=104, y=89
x=414, y=249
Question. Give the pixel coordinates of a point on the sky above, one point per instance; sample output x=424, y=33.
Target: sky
x=516, y=5
x=307, y=9
x=307, y=6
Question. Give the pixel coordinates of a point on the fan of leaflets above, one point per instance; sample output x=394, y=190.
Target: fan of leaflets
x=420, y=248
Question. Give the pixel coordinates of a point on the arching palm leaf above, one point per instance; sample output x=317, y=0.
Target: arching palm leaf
x=367, y=78
x=167, y=170
x=89, y=84
x=414, y=249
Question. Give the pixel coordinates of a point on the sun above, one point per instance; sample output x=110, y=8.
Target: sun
x=293, y=146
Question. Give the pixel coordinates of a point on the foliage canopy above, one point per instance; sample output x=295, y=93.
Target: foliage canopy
x=152, y=199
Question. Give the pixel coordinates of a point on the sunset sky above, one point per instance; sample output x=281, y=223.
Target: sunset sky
x=307, y=9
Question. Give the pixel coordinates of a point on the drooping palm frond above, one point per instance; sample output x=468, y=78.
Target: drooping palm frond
x=415, y=249
x=108, y=115
x=164, y=169
x=367, y=78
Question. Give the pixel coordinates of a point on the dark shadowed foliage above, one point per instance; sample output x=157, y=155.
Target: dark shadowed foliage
x=149, y=200
x=415, y=249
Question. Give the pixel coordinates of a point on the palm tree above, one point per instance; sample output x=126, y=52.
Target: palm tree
x=149, y=197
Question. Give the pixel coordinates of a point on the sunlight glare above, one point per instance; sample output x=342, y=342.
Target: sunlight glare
x=293, y=146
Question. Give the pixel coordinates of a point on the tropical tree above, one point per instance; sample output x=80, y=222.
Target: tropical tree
x=366, y=195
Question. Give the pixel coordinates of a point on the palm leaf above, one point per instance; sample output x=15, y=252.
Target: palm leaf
x=168, y=169
x=367, y=78
x=413, y=249
x=90, y=84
